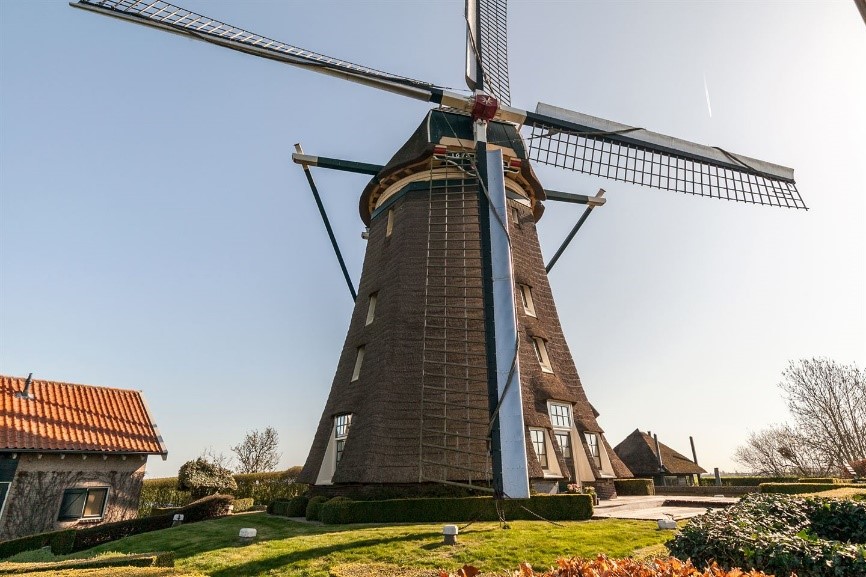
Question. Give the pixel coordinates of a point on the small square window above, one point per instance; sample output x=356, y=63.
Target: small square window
x=560, y=416
x=359, y=360
x=389, y=227
x=371, y=307
x=539, y=446
x=83, y=503
x=540, y=346
x=526, y=299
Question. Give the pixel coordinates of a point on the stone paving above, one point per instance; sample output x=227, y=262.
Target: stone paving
x=653, y=508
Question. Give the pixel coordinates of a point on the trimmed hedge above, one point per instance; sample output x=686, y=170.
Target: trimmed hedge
x=822, y=480
x=313, y=507
x=59, y=541
x=747, y=481
x=550, y=507
x=241, y=505
x=294, y=507
x=626, y=487
x=800, y=488
x=159, y=559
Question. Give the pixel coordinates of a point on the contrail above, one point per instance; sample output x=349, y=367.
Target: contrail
x=707, y=92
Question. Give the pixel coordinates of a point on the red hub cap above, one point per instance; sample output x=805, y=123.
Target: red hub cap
x=484, y=107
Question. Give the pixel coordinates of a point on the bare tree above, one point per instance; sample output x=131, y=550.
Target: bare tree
x=219, y=459
x=258, y=451
x=828, y=403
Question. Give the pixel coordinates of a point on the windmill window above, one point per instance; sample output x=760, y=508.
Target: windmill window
x=560, y=416
x=389, y=227
x=83, y=504
x=359, y=360
x=539, y=445
x=526, y=298
x=371, y=307
x=341, y=432
x=515, y=217
x=564, y=441
x=540, y=346
x=592, y=443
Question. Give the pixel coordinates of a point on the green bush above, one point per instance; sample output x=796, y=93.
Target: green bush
x=161, y=493
x=822, y=480
x=241, y=505
x=626, y=487
x=294, y=507
x=774, y=534
x=313, y=506
x=264, y=488
x=550, y=507
x=107, y=532
x=59, y=541
x=838, y=519
x=202, y=478
x=159, y=559
x=800, y=488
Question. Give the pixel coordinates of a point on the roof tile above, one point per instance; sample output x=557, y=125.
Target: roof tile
x=68, y=417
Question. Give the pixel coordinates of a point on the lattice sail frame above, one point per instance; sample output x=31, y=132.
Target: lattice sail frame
x=637, y=156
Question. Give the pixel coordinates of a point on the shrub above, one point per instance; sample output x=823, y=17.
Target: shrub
x=313, y=506
x=838, y=519
x=771, y=533
x=822, y=480
x=625, y=487
x=161, y=494
x=206, y=508
x=266, y=487
x=800, y=488
x=550, y=507
x=59, y=541
x=160, y=559
x=202, y=478
x=241, y=505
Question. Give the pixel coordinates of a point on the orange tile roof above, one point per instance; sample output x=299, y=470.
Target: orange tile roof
x=67, y=417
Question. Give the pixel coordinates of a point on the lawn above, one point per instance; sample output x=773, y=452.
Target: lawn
x=285, y=547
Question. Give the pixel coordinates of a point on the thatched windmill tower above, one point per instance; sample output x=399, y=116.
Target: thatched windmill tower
x=412, y=376
x=455, y=368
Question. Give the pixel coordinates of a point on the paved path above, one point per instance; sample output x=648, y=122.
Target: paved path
x=652, y=508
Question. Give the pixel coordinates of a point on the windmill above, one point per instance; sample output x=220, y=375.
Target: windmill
x=455, y=367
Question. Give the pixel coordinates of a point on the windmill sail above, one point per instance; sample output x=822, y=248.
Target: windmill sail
x=599, y=147
x=487, y=47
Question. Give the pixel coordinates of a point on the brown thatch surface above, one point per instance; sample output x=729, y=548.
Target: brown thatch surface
x=638, y=452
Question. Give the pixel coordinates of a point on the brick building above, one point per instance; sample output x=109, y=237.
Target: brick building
x=70, y=455
x=409, y=401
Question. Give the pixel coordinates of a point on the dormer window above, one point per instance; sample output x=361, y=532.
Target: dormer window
x=560, y=418
x=341, y=433
x=592, y=444
x=539, y=445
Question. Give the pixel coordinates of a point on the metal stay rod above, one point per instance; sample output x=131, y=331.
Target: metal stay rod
x=574, y=230
x=327, y=225
x=337, y=164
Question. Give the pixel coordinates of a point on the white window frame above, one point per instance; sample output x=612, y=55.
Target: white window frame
x=561, y=419
x=371, y=307
x=389, y=225
x=593, y=442
x=565, y=447
x=540, y=347
x=340, y=437
x=543, y=456
x=527, y=300
x=359, y=360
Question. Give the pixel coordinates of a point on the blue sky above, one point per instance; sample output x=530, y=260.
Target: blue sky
x=155, y=235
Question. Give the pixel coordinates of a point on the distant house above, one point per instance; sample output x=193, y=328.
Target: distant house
x=664, y=467
x=70, y=455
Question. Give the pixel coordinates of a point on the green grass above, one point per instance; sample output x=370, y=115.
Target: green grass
x=286, y=547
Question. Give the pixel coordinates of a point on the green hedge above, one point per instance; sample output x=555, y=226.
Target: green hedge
x=163, y=492
x=626, y=487
x=241, y=505
x=747, y=481
x=159, y=559
x=294, y=507
x=59, y=541
x=313, y=507
x=550, y=507
x=799, y=488
x=822, y=480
